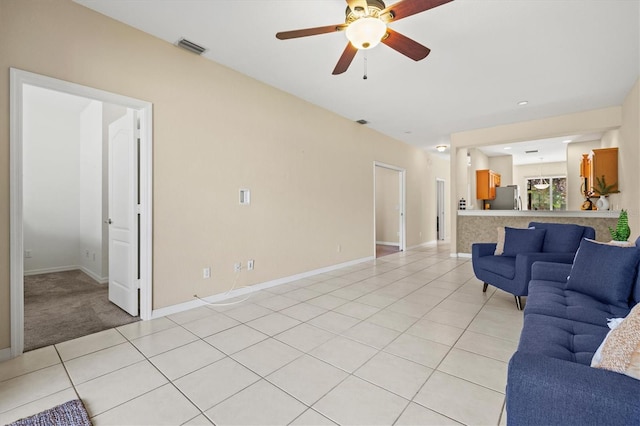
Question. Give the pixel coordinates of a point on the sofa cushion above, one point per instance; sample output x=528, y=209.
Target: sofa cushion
x=522, y=241
x=561, y=338
x=501, y=265
x=605, y=272
x=560, y=237
x=553, y=299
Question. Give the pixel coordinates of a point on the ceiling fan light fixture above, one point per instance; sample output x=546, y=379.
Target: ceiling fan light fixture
x=366, y=33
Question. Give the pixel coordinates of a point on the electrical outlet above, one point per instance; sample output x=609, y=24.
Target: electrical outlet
x=206, y=272
x=250, y=265
x=27, y=254
x=86, y=254
x=237, y=267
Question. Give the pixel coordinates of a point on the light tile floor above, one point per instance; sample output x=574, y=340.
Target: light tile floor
x=408, y=339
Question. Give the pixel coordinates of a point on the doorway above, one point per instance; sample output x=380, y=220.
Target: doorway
x=92, y=241
x=389, y=209
x=440, y=209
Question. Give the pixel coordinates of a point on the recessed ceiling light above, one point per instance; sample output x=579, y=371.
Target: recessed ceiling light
x=507, y=147
x=523, y=103
x=566, y=141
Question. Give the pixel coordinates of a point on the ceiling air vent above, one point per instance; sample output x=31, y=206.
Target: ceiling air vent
x=362, y=121
x=191, y=46
x=533, y=151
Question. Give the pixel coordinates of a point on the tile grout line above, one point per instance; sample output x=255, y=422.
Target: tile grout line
x=395, y=270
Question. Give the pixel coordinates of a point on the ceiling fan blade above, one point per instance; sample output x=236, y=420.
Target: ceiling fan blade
x=405, y=8
x=345, y=60
x=285, y=35
x=405, y=45
x=358, y=3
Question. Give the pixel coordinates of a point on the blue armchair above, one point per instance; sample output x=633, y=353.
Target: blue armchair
x=511, y=271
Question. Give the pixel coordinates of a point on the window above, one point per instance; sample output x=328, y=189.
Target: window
x=552, y=198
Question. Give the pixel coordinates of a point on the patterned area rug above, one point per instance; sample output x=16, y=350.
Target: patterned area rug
x=62, y=306
x=71, y=413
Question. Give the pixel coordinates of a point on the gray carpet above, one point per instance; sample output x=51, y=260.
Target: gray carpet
x=71, y=413
x=65, y=305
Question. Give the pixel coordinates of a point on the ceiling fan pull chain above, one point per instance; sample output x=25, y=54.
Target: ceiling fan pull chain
x=364, y=77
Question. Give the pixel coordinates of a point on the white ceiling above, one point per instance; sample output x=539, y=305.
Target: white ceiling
x=562, y=56
x=549, y=150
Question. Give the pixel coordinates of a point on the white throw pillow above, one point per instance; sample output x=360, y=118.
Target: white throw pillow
x=620, y=351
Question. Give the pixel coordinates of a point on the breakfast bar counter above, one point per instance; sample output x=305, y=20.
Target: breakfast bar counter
x=480, y=226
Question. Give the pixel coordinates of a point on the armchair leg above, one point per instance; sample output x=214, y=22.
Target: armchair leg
x=484, y=287
x=518, y=302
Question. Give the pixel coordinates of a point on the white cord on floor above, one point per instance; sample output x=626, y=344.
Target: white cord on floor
x=233, y=287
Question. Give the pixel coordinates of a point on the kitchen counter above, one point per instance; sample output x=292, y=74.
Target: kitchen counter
x=480, y=226
x=542, y=213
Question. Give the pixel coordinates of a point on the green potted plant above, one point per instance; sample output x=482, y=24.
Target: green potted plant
x=622, y=231
x=604, y=190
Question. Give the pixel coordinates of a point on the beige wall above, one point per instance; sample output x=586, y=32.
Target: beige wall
x=629, y=159
x=503, y=165
x=387, y=205
x=462, y=184
x=215, y=131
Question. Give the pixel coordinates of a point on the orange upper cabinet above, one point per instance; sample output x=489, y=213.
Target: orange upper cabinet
x=486, y=182
x=604, y=162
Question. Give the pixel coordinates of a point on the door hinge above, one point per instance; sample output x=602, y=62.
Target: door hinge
x=139, y=209
x=138, y=284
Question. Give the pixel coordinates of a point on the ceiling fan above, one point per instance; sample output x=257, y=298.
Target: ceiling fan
x=366, y=26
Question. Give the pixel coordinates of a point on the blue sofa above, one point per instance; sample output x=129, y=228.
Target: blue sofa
x=512, y=273
x=550, y=380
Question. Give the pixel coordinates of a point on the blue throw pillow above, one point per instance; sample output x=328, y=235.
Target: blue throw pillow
x=561, y=237
x=605, y=272
x=518, y=241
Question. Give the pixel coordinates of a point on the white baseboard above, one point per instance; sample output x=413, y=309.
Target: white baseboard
x=174, y=309
x=5, y=354
x=465, y=255
x=51, y=270
x=387, y=243
x=101, y=280
x=98, y=278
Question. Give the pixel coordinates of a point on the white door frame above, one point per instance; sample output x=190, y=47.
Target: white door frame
x=440, y=208
x=402, y=202
x=20, y=78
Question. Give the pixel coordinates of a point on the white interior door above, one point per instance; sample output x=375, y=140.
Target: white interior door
x=123, y=213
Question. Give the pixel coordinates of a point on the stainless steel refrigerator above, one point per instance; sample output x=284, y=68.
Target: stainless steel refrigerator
x=507, y=198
